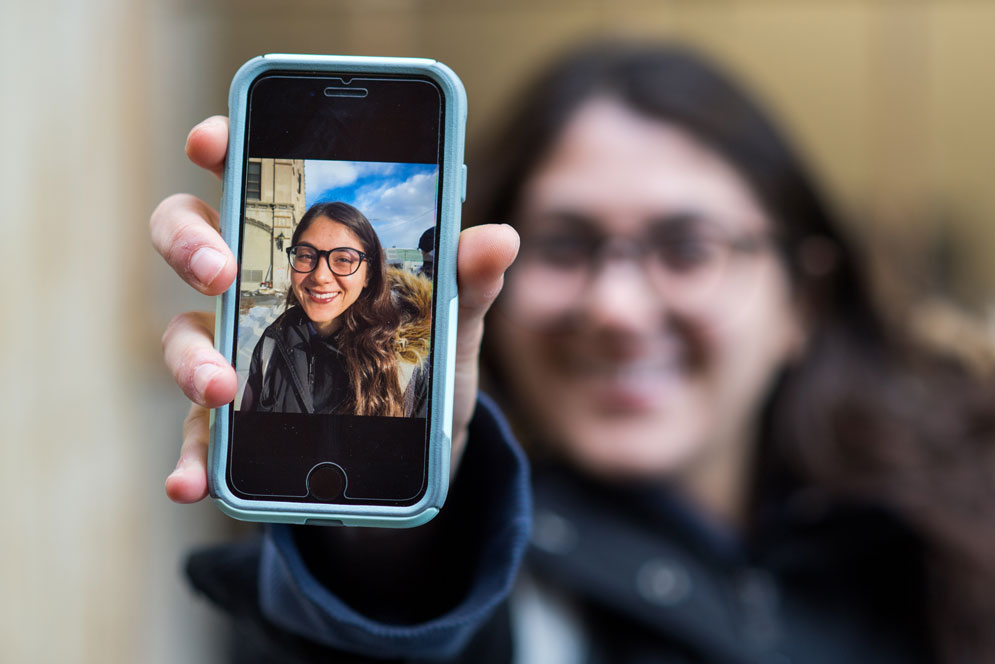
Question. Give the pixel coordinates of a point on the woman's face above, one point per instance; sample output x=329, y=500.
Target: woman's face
x=657, y=361
x=324, y=295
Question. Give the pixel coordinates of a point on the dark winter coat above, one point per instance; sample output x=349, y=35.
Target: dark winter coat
x=295, y=370
x=623, y=574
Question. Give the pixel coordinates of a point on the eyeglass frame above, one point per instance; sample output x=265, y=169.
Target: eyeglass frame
x=620, y=246
x=327, y=254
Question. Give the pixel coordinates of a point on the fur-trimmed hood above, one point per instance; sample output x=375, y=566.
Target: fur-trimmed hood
x=412, y=294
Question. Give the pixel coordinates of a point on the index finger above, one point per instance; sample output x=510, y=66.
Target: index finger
x=207, y=144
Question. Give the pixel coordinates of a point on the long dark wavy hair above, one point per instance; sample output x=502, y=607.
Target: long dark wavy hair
x=866, y=414
x=369, y=326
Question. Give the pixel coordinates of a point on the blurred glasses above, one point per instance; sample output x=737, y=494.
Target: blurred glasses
x=342, y=261
x=688, y=262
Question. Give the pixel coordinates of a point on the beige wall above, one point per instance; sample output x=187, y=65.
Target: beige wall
x=891, y=99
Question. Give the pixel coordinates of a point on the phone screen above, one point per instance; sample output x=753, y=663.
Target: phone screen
x=333, y=347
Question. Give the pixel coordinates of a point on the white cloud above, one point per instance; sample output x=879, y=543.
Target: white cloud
x=401, y=212
x=320, y=176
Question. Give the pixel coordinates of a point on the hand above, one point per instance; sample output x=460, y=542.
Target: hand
x=184, y=230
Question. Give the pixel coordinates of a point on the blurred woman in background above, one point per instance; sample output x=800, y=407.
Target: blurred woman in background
x=685, y=308
x=736, y=459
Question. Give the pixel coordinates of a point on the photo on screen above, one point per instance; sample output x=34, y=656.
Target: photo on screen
x=335, y=289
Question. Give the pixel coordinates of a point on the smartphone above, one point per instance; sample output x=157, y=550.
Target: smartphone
x=342, y=192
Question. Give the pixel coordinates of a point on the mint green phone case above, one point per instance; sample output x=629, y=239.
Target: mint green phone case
x=453, y=178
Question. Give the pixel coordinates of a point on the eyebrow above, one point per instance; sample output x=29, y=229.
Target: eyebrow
x=569, y=220
x=311, y=246
x=573, y=220
x=683, y=219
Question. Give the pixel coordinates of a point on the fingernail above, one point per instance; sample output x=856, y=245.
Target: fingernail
x=206, y=264
x=202, y=377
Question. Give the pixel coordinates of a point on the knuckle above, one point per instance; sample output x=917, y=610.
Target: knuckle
x=192, y=355
x=175, y=325
x=186, y=346
x=163, y=212
x=178, y=228
x=193, y=423
x=181, y=242
x=188, y=359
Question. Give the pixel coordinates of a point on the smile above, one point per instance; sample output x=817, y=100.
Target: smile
x=321, y=298
x=632, y=388
x=629, y=370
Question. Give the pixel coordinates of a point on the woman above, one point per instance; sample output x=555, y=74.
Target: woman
x=340, y=345
x=736, y=458
x=711, y=327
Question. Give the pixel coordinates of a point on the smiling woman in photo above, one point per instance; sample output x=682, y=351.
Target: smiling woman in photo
x=354, y=337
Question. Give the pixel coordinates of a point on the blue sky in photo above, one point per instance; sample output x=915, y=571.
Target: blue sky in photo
x=398, y=199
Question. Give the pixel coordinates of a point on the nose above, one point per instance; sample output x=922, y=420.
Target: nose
x=321, y=272
x=621, y=299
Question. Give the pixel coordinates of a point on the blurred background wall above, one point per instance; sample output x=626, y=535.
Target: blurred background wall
x=890, y=99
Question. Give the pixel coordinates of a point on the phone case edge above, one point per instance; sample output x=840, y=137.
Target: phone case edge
x=446, y=304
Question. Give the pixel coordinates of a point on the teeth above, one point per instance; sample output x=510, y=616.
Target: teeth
x=322, y=297
x=644, y=371
x=630, y=371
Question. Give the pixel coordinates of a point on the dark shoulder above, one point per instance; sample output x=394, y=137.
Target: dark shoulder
x=228, y=575
x=291, y=323
x=844, y=584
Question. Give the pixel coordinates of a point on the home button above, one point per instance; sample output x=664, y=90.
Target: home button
x=326, y=481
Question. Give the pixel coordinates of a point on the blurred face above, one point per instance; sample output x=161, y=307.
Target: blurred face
x=647, y=314
x=323, y=294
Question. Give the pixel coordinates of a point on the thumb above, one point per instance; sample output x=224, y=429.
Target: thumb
x=485, y=252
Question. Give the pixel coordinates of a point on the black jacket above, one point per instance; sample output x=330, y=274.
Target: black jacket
x=295, y=370
x=810, y=582
x=646, y=578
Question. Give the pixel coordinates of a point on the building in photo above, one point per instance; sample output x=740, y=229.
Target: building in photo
x=274, y=204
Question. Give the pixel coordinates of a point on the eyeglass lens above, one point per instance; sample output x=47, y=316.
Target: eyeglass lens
x=555, y=270
x=341, y=261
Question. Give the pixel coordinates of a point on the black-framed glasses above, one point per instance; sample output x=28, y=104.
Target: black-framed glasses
x=689, y=262
x=677, y=253
x=342, y=261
